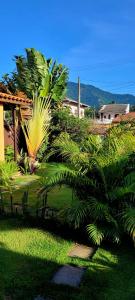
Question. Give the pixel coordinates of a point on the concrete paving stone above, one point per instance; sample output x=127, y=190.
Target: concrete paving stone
x=81, y=251
x=69, y=275
x=41, y=298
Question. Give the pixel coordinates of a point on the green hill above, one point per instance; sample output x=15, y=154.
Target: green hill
x=94, y=96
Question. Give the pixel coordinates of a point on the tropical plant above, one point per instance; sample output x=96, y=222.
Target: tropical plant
x=7, y=170
x=91, y=112
x=9, y=153
x=39, y=76
x=100, y=176
x=42, y=153
x=64, y=121
x=36, y=129
x=23, y=162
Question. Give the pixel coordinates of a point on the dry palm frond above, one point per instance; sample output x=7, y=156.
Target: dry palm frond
x=36, y=129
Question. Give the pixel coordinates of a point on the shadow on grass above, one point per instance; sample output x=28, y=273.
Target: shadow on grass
x=24, y=276
x=51, y=225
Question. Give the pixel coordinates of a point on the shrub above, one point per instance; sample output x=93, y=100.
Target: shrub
x=64, y=121
x=9, y=153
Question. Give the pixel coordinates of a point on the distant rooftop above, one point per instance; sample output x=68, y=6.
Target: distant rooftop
x=114, y=108
x=125, y=118
x=72, y=101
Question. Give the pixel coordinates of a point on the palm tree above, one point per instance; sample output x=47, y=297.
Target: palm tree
x=36, y=129
x=39, y=76
x=99, y=172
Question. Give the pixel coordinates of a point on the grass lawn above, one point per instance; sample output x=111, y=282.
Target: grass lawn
x=57, y=198
x=29, y=257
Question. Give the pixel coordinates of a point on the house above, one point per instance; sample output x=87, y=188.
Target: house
x=128, y=118
x=73, y=105
x=110, y=111
x=17, y=106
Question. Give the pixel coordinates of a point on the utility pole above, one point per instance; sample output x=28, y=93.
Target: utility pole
x=79, y=97
x=94, y=112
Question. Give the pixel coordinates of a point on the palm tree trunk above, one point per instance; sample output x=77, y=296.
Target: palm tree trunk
x=32, y=163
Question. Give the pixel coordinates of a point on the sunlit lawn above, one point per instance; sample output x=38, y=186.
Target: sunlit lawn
x=29, y=257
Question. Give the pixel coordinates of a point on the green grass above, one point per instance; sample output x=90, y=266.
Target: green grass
x=29, y=257
x=57, y=198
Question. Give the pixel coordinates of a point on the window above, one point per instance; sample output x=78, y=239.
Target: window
x=101, y=115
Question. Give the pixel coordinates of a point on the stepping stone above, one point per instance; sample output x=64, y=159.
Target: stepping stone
x=81, y=251
x=69, y=275
x=41, y=298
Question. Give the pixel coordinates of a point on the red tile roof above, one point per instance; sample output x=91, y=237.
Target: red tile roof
x=7, y=98
x=125, y=118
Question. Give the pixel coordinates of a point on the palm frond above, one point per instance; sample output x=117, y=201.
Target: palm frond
x=77, y=214
x=121, y=192
x=99, y=210
x=76, y=180
x=66, y=146
x=36, y=129
x=128, y=217
x=96, y=234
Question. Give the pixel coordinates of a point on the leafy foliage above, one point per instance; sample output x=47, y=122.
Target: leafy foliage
x=102, y=177
x=9, y=153
x=64, y=121
x=23, y=162
x=38, y=76
x=7, y=170
x=128, y=218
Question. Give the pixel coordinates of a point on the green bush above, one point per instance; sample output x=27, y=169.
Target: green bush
x=64, y=121
x=9, y=153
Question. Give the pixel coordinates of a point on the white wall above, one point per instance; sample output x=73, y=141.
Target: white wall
x=74, y=110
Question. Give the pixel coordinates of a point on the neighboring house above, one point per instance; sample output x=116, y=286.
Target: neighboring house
x=129, y=117
x=110, y=111
x=73, y=105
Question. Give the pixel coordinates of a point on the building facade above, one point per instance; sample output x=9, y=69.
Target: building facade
x=109, y=112
x=73, y=105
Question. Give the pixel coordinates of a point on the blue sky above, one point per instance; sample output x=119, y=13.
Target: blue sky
x=94, y=38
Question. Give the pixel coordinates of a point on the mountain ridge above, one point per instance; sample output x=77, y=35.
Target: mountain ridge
x=94, y=96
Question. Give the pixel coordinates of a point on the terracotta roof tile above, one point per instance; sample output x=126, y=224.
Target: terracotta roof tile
x=125, y=118
x=7, y=98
